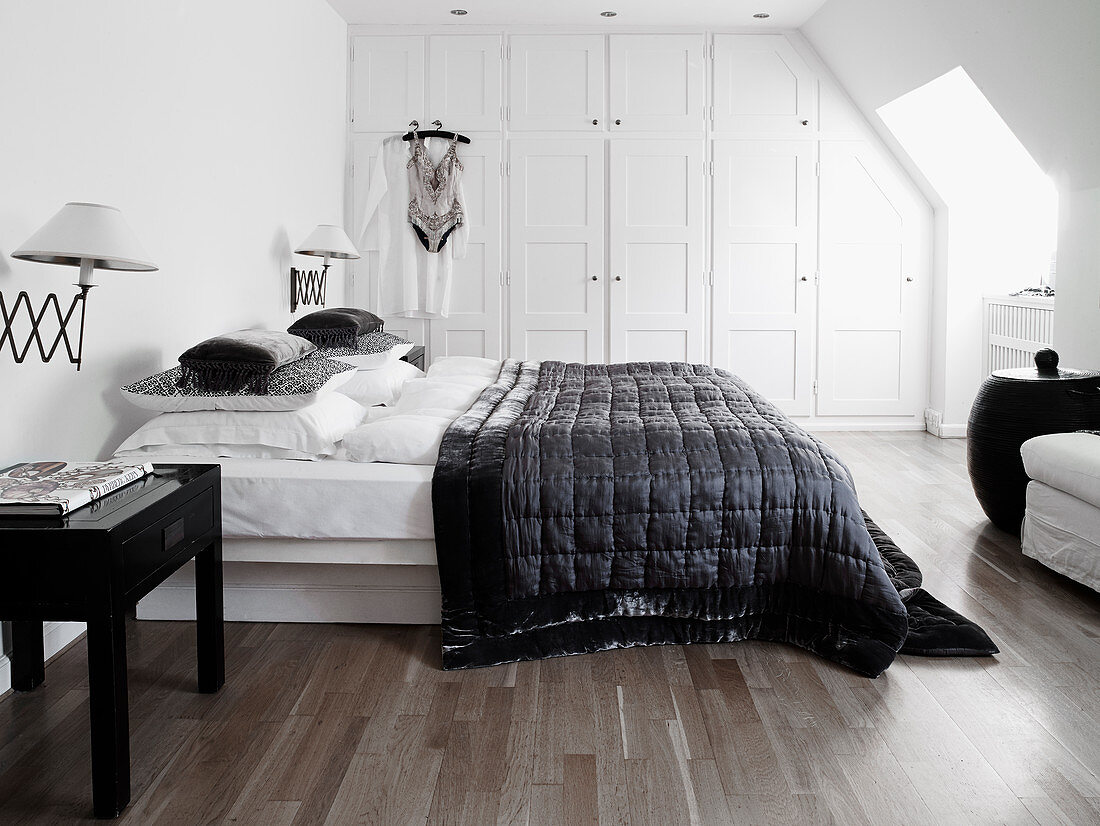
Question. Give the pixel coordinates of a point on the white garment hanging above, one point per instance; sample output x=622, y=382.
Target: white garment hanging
x=412, y=282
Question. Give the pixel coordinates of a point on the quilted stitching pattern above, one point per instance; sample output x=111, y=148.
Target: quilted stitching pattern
x=583, y=507
x=661, y=475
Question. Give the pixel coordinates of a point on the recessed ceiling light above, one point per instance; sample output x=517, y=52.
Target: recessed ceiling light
x=761, y=15
x=459, y=12
x=608, y=13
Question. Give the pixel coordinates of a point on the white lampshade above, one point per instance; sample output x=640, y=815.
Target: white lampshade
x=87, y=236
x=330, y=241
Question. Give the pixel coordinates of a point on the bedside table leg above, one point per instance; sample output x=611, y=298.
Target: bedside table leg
x=110, y=715
x=28, y=661
x=209, y=616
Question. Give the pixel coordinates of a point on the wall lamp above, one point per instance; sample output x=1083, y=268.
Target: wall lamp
x=329, y=241
x=89, y=236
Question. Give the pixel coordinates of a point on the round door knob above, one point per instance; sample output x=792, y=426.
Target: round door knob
x=909, y=278
x=804, y=278
x=618, y=122
x=618, y=278
x=595, y=278
x=595, y=122
x=805, y=123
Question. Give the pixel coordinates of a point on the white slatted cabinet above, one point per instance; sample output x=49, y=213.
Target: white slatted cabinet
x=556, y=215
x=657, y=83
x=765, y=237
x=556, y=83
x=387, y=82
x=874, y=251
x=465, y=87
x=473, y=327
x=762, y=86
x=655, y=211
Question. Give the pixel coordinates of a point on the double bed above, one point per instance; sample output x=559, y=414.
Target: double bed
x=580, y=507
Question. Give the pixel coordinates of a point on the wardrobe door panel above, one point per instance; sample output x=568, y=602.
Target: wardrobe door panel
x=657, y=82
x=556, y=249
x=762, y=85
x=387, y=85
x=765, y=237
x=465, y=72
x=657, y=235
x=556, y=82
x=474, y=324
x=874, y=286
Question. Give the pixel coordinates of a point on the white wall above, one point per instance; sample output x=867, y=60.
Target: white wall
x=1037, y=64
x=218, y=128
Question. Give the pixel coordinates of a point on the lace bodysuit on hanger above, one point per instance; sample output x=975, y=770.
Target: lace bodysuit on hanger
x=434, y=208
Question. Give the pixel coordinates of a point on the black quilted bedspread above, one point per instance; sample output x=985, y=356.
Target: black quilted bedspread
x=584, y=507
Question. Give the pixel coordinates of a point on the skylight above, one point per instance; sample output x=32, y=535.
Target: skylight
x=1003, y=210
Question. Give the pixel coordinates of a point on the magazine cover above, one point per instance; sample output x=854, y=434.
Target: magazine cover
x=58, y=488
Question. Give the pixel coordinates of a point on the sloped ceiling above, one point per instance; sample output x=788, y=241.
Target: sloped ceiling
x=1038, y=63
x=785, y=14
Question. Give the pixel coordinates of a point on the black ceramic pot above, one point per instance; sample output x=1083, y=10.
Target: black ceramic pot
x=1011, y=407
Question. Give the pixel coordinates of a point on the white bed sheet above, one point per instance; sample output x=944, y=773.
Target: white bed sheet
x=1062, y=532
x=327, y=499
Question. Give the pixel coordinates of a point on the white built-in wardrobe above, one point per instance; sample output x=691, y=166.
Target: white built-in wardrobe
x=699, y=197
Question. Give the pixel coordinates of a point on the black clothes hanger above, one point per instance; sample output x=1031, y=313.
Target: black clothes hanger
x=432, y=133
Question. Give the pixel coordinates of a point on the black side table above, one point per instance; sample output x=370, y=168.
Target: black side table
x=1011, y=407
x=93, y=566
x=415, y=356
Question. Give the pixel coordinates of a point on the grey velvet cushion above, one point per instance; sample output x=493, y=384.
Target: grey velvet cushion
x=336, y=327
x=243, y=360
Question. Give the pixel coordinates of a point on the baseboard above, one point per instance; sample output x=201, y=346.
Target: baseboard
x=933, y=423
x=288, y=592
x=56, y=637
x=826, y=426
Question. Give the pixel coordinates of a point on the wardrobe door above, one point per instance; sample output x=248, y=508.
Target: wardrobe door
x=656, y=220
x=765, y=235
x=473, y=326
x=556, y=82
x=761, y=85
x=657, y=82
x=465, y=72
x=363, y=287
x=387, y=82
x=873, y=320
x=556, y=249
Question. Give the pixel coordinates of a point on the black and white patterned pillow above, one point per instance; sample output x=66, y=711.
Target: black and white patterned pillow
x=371, y=351
x=291, y=387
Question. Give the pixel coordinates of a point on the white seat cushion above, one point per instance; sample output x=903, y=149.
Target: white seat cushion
x=1068, y=462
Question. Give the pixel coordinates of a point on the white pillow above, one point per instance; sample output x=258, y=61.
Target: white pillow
x=310, y=432
x=480, y=382
x=464, y=366
x=291, y=387
x=407, y=439
x=381, y=386
x=220, y=451
x=429, y=393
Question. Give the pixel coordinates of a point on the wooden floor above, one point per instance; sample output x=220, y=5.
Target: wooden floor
x=346, y=724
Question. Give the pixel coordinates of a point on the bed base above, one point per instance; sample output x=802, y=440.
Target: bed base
x=293, y=580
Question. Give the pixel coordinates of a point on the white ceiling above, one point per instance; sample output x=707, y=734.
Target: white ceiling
x=785, y=14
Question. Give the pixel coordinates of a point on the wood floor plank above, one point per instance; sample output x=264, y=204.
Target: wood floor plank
x=359, y=724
